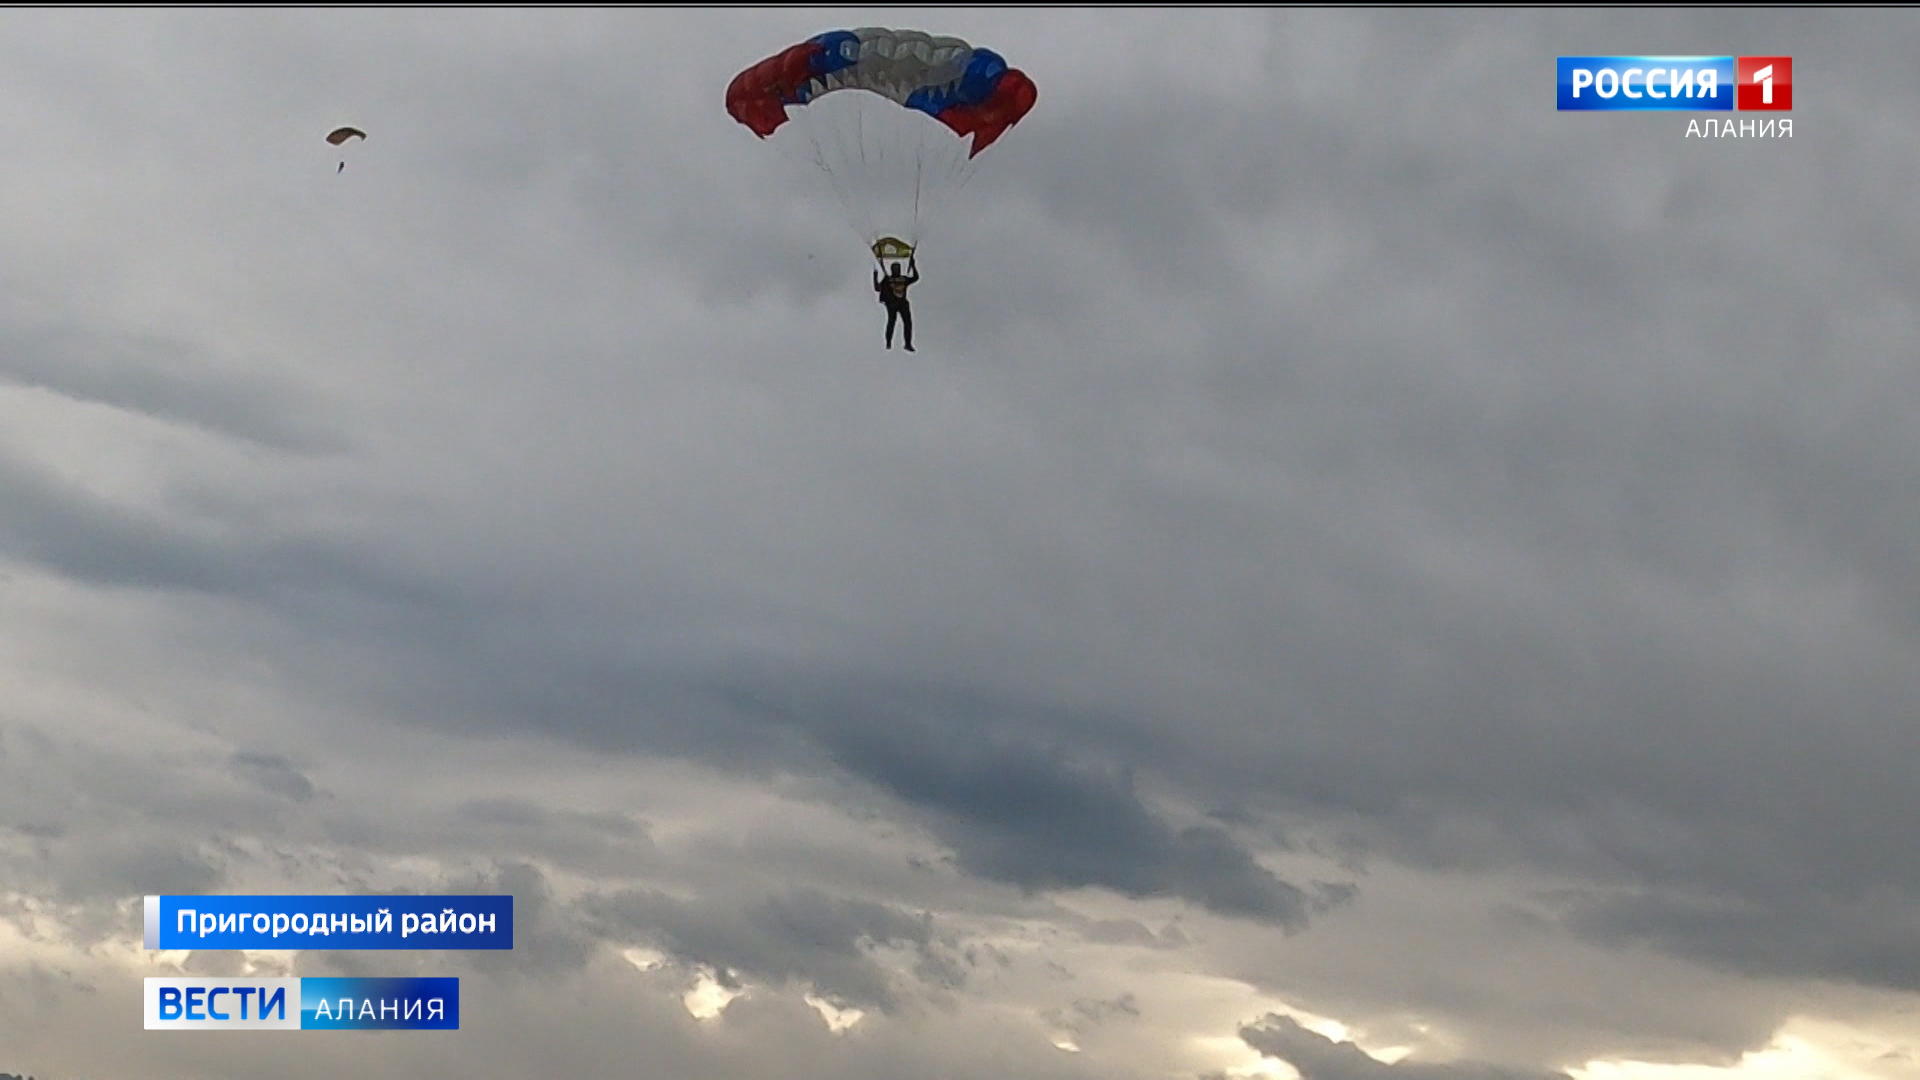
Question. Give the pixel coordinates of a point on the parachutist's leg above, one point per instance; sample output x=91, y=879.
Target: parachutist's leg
x=893, y=314
x=906, y=319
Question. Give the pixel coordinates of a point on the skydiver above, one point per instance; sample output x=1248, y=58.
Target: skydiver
x=341, y=169
x=893, y=294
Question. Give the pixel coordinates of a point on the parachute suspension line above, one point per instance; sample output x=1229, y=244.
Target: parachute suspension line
x=860, y=143
x=967, y=168
x=847, y=200
x=919, y=178
x=876, y=182
x=817, y=156
x=835, y=136
x=859, y=131
x=838, y=131
x=948, y=177
x=874, y=221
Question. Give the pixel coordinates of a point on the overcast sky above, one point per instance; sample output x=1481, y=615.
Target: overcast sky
x=1366, y=576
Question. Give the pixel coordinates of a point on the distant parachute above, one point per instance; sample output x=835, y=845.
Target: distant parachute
x=340, y=136
x=902, y=144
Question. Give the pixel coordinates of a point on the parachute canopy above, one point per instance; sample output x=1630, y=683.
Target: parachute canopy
x=341, y=135
x=899, y=148
x=970, y=90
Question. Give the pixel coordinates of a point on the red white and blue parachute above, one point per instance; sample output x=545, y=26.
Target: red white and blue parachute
x=970, y=90
x=895, y=152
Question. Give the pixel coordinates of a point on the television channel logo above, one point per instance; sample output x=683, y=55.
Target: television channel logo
x=1669, y=83
x=302, y=1004
x=1766, y=84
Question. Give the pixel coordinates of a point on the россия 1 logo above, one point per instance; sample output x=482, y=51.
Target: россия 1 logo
x=1682, y=83
x=1766, y=83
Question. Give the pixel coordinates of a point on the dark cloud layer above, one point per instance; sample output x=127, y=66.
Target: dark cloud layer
x=1869, y=939
x=1028, y=810
x=806, y=935
x=161, y=380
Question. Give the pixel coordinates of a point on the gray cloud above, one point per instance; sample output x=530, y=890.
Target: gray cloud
x=1130, y=932
x=518, y=814
x=1087, y=1014
x=92, y=539
x=1320, y=1058
x=799, y=935
x=273, y=774
x=1027, y=811
x=156, y=378
x=1871, y=940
